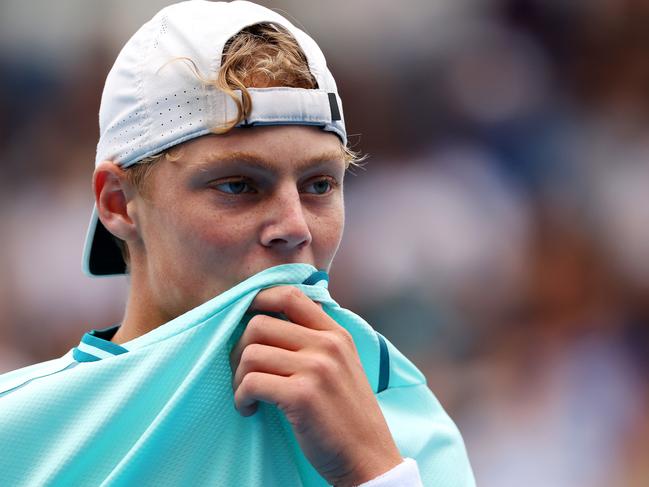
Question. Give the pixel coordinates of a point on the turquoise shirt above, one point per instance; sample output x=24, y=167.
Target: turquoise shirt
x=159, y=409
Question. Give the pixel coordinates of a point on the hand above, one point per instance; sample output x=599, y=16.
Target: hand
x=309, y=368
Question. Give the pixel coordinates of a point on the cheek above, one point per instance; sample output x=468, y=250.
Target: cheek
x=196, y=253
x=327, y=233
x=201, y=232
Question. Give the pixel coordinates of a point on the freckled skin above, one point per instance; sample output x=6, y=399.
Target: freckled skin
x=194, y=242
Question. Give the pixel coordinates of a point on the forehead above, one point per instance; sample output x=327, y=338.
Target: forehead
x=271, y=148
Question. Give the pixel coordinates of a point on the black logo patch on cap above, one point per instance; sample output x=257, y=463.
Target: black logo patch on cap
x=333, y=105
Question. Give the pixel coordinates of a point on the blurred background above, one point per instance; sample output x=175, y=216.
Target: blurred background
x=498, y=234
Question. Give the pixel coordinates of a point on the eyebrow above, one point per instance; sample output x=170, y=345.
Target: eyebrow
x=258, y=162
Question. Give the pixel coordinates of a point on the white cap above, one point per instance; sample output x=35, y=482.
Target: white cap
x=151, y=102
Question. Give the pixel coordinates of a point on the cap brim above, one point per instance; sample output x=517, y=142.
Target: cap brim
x=101, y=255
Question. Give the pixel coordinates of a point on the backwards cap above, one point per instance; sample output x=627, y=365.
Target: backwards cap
x=151, y=103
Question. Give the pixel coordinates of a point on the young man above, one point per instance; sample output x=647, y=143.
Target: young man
x=219, y=189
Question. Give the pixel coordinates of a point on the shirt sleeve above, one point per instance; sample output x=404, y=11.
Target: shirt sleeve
x=406, y=474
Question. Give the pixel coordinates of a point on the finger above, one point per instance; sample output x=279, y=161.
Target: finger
x=268, y=330
x=262, y=358
x=259, y=386
x=296, y=305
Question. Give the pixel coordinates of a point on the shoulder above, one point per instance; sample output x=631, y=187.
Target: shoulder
x=15, y=379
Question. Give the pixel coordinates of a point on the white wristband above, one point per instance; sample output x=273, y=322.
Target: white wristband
x=406, y=474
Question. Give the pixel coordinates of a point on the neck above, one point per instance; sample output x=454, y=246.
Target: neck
x=142, y=314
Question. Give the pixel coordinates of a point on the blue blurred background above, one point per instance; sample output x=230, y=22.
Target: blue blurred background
x=498, y=235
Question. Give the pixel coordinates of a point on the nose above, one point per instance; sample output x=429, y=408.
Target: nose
x=286, y=227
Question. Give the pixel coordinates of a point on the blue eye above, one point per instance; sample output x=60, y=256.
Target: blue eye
x=234, y=187
x=321, y=186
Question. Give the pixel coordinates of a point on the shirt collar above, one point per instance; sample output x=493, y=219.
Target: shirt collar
x=96, y=345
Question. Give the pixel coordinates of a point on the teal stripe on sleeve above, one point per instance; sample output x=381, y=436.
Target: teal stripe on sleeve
x=384, y=365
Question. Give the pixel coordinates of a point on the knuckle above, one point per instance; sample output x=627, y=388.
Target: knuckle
x=256, y=325
x=332, y=343
x=338, y=344
x=293, y=293
x=251, y=355
x=346, y=337
x=256, y=321
x=321, y=366
x=249, y=383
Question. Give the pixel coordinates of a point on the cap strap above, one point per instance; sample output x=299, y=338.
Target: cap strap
x=292, y=105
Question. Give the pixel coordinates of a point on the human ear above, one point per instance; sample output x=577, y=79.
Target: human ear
x=114, y=196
